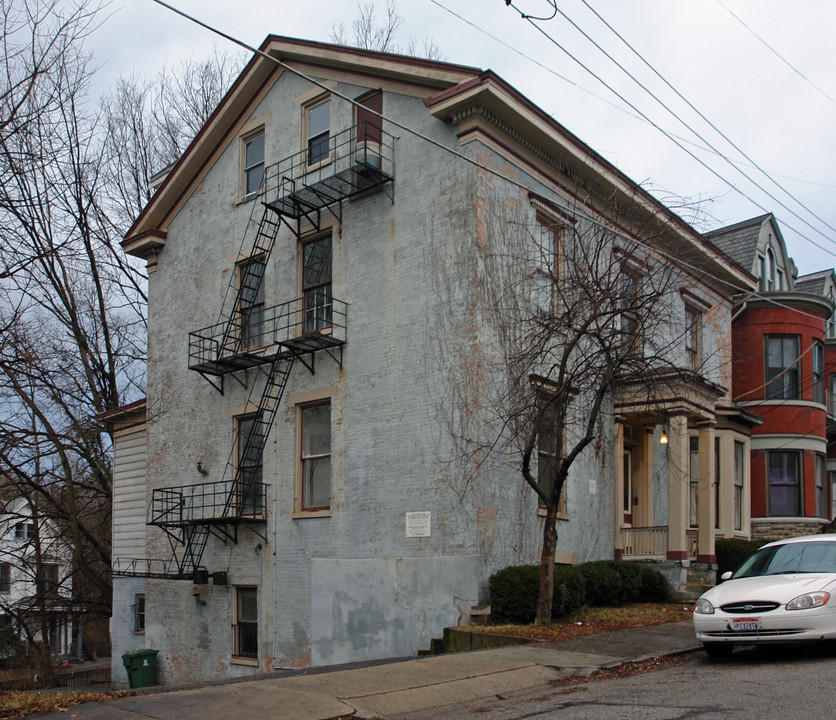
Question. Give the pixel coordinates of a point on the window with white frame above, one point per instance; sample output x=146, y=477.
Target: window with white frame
x=831, y=399
x=822, y=507
x=761, y=273
x=47, y=578
x=245, y=627
x=253, y=162
x=770, y=270
x=782, y=374
x=24, y=530
x=318, y=128
x=739, y=459
x=818, y=373
x=694, y=480
x=315, y=455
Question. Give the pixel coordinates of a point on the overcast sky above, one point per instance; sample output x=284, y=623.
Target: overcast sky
x=785, y=123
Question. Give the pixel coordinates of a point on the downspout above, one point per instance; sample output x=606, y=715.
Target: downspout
x=742, y=307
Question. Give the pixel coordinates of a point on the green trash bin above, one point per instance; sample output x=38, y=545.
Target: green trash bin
x=142, y=667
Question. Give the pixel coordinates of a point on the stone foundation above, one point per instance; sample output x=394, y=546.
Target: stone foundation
x=766, y=529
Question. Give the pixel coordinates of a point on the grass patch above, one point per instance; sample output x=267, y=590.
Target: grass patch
x=14, y=704
x=598, y=619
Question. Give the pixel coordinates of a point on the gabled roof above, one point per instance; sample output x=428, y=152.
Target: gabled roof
x=740, y=241
x=815, y=282
x=447, y=90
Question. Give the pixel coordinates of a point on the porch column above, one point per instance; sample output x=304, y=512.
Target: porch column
x=726, y=474
x=649, y=449
x=679, y=481
x=618, y=494
x=706, y=510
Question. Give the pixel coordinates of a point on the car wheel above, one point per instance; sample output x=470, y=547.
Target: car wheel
x=718, y=651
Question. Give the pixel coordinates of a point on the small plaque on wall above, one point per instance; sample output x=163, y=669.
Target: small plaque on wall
x=593, y=486
x=417, y=524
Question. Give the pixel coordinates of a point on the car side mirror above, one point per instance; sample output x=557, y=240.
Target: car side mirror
x=726, y=576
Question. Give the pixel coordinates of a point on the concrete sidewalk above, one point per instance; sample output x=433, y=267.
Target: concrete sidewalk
x=392, y=689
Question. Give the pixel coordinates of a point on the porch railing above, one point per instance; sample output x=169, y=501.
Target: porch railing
x=647, y=542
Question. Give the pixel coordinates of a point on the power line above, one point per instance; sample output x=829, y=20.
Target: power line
x=672, y=138
x=516, y=183
x=704, y=118
x=775, y=52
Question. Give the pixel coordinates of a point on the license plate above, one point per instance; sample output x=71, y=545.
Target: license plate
x=746, y=625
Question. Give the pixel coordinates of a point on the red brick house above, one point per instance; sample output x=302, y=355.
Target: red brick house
x=780, y=372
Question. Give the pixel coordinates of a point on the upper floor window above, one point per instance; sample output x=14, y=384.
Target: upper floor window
x=782, y=375
x=822, y=506
x=24, y=530
x=48, y=578
x=549, y=451
x=250, y=451
x=693, y=337
x=5, y=578
x=546, y=271
x=315, y=456
x=770, y=277
x=628, y=307
x=818, y=373
x=318, y=126
x=316, y=283
x=253, y=163
x=251, y=303
x=739, y=469
x=761, y=273
x=831, y=399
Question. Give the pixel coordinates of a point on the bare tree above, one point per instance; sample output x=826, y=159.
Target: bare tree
x=566, y=308
x=370, y=33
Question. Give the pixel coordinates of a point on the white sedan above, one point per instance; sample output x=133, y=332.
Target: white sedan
x=785, y=592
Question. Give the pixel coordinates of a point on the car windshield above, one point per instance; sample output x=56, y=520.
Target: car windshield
x=808, y=557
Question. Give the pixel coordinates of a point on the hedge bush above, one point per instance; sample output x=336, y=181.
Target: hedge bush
x=514, y=589
x=732, y=552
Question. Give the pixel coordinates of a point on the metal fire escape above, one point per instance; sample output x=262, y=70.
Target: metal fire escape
x=271, y=340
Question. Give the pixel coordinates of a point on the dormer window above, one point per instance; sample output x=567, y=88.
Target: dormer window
x=770, y=261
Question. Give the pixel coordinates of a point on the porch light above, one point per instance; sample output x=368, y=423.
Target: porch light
x=663, y=440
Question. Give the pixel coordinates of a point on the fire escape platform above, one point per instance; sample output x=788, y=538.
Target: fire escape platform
x=280, y=333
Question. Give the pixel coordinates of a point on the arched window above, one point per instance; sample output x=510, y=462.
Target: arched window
x=770, y=259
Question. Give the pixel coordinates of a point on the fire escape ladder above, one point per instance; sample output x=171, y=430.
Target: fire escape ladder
x=244, y=287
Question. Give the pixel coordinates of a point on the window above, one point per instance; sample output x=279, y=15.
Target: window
x=139, y=613
x=831, y=400
x=780, y=279
x=761, y=273
x=315, y=456
x=250, y=451
x=818, y=373
x=694, y=480
x=693, y=332
x=48, y=578
x=784, y=481
x=628, y=297
x=316, y=283
x=770, y=277
x=739, y=449
x=253, y=162
x=5, y=578
x=318, y=129
x=546, y=268
x=717, y=466
x=245, y=630
x=822, y=508
x=548, y=453
x=251, y=303
x=24, y=530
x=782, y=367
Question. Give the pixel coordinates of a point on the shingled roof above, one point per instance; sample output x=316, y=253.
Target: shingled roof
x=739, y=241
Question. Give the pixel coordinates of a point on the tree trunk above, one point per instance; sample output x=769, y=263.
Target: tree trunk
x=546, y=594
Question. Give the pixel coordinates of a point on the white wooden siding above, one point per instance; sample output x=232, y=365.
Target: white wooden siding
x=129, y=492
